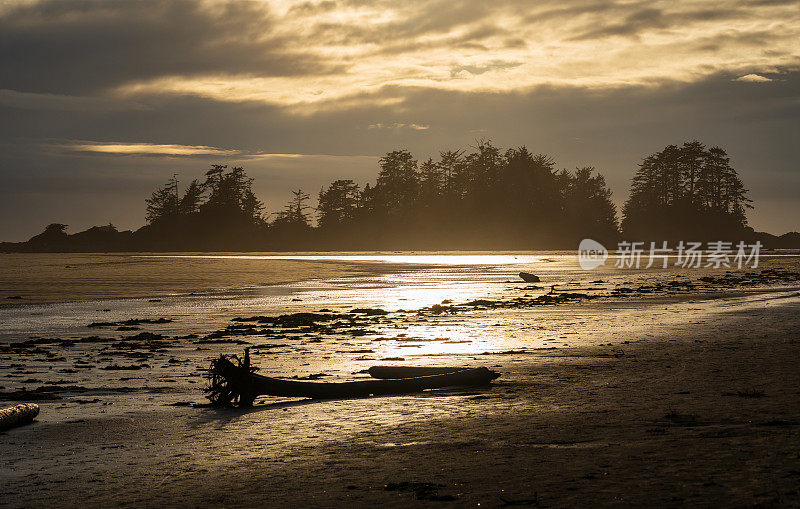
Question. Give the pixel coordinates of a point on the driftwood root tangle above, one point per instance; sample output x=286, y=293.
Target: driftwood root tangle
x=230, y=381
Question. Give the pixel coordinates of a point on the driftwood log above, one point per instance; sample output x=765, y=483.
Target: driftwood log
x=233, y=381
x=393, y=372
x=18, y=415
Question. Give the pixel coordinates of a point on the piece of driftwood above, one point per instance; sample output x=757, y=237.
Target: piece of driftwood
x=529, y=278
x=233, y=381
x=394, y=372
x=18, y=415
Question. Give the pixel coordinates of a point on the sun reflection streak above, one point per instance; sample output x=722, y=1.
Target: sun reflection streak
x=419, y=259
x=430, y=342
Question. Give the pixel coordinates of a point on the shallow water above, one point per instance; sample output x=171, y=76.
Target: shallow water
x=62, y=293
x=203, y=293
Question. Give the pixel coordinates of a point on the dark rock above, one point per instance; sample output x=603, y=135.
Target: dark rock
x=529, y=278
x=369, y=311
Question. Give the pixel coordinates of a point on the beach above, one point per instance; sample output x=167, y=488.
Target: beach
x=618, y=387
x=324, y=254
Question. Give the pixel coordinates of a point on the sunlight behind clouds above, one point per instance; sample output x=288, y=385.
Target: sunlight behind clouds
x=753, y=78
x=310, y=56
x=147, y=149
x=512, y=47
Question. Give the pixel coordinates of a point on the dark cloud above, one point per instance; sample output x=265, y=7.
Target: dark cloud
x=647, y=19
x=85, y=46
x=58, y=102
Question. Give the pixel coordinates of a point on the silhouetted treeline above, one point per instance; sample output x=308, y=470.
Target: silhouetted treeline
x=221, y=210
x=486, y=198
x=685, y=192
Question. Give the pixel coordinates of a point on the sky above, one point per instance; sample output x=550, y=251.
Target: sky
x=101, y=101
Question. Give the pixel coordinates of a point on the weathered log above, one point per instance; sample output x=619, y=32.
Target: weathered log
x=235, y=383
x=18, y=415
x=393, y=372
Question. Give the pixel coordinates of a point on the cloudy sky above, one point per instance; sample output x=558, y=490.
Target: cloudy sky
x=102, y=100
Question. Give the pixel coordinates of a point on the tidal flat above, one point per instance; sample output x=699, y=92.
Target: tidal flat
x=618, y=387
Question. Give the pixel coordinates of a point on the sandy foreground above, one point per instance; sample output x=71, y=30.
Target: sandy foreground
x=675, y=401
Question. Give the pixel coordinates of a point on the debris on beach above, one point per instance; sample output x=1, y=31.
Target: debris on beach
x=132, y=322
x=529, y=278
x=233, y=382
x=18, y=415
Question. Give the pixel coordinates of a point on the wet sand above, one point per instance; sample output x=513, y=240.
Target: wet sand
x=66, y=277
x=704, y=414
x=665, y=396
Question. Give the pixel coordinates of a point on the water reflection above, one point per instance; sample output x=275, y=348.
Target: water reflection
x=416, y=258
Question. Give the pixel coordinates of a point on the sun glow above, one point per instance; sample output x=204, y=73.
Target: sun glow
x=369, y=55
x=149, y=148
x=415, y=259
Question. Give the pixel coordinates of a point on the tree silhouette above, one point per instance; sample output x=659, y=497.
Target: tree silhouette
x=466, y=199
x=431, y=183
x=56, y=229
x=338, y=205
x=451, y=166
x=397, y=186
x=294, y=216
x=588, y=204
x=687, y=190
x=163, y=203
x=192, y=198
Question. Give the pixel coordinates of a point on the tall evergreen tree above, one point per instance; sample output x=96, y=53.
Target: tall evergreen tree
x=294, y=216
x=192, y=198
x=163, y=203
x=397, y=187
x=430, y=184
x=451, y=167
x=589, y=207
x=338, y=205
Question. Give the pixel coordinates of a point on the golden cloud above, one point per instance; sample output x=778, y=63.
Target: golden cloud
x=753, y=78
x=339, y=54
x=147, y=149
x=172, y=150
